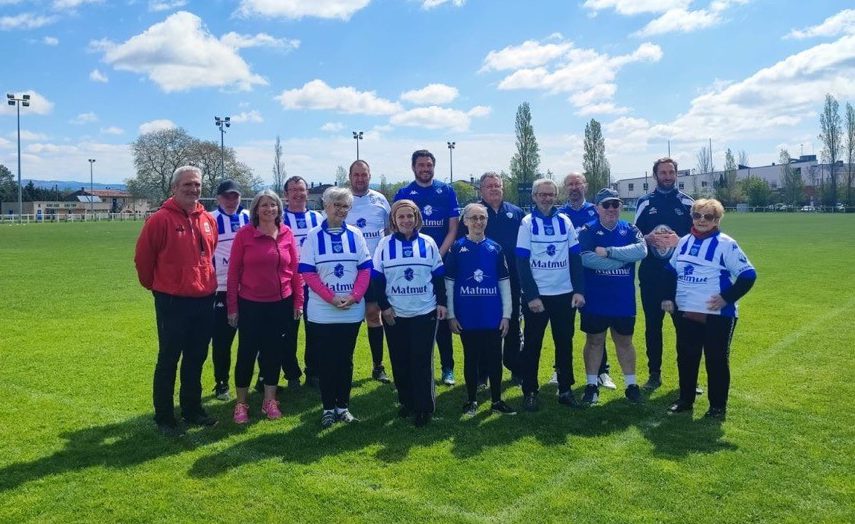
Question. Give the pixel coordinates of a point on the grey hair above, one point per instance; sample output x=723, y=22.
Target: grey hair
x=176, y=175
x=490, y=174
x=337, y=194
x=540, y=181
x=574, y=174
x=475, y=206
x=256, y=201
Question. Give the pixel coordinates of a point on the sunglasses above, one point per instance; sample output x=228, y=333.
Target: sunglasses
x=706, y=216
x=611, y=204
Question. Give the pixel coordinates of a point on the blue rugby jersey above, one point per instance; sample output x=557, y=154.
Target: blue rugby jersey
x=301, y=223
x=503, y=226
x=370, y=213
x=476, y=268
x=336, y=258
x=547, y=242
x=610, y=292
x=437, y=203
x=227, y=226
x=586, y=213
x=406, y=268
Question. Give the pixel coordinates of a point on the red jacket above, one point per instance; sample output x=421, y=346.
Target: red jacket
x=262, y=269
x=174, y=252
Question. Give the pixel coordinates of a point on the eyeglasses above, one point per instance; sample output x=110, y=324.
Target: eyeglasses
x=545, y=195
x=477, y=218
x=341, y=207
x=611, y=204
x=709, y=217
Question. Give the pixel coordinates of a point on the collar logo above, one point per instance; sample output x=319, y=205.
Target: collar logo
x=509, y=214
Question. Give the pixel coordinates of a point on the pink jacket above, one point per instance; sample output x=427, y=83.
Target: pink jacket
x=262, y=269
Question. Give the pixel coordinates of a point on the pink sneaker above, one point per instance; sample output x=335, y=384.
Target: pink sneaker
x=241, y=415
x=271, y=409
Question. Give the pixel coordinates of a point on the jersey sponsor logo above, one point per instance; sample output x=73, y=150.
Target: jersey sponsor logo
x=548, y=264
x=408, y=273
x=688, y=276
x=478, y=275
x=478, y=291
x=427, y=210
x=338, y=270
x=434, y=223
x=372, y=234
x=340, y=287
x=361, y=223
x=225, y=261
x=408, y=290
x=619, y=272
x=550, y=250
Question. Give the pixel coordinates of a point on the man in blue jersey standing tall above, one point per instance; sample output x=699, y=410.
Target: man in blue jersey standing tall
x=440, y=216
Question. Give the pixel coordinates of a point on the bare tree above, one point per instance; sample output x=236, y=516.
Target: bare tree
x=279, y=173
x=727, y=189
x=743, y=158
x=341, y=176
x=792, y=184
x=705, y=161
x=850, y=150
x=831, y=135
x=594, y=161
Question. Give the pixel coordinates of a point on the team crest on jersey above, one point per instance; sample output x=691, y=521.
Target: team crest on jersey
x=478, y=275
x=550, y=250
x=408, y=251
x=361, y=223
x=509, y=214
x=651, y=211
x=623, y=232
x=301, y=223
x=695, y=250
x=548, y=229
x=408, y=273
x=235, y=227
x=591, y=212
x=439, y=191
x=491, y=247
x=678, y=211
x=207, y=227
x=688, y=270
x=338, y=270
x=336, y=247
x=427, y=211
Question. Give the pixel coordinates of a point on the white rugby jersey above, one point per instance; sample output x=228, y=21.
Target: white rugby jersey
x=336, y=258
x=408, y=267
x=548, y=241
x=370, y=213
x=705, y=268
x=227, y=226
x=301, y=223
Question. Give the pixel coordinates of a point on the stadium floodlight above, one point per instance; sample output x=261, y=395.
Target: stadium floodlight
x=451, y=146
x=13, y=100
x=222, y=123
x=357, y=135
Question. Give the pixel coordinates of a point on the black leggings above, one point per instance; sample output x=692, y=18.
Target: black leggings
x=335, y=344
x=482, y=346
x=713, y=339
x=262, y=327
x=560, y=315
x=411, y=353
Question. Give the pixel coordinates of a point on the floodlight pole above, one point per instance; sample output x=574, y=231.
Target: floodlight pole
x=222, y=123
x=451, y=162
x=91, y=188
x=357, y=135
x=13, y=100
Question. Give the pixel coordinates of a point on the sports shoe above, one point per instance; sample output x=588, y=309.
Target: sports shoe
x=241, y=414
x=716, y=414
x=170, y=429
x=201, y=419
x=653, y=383
x=482, y=386
x=470, y=409
x=606, y=381
x=502, y=408
x=633, y=394
x=554, y=380
x=591, y=395
x=448, y=377
x=379, y=374
x=530, y=402
x=221, y=391
x=422, y=419
x=568, y=399
x=345, y=416
x=270, y=408
x=680, y=407
x=327, y=419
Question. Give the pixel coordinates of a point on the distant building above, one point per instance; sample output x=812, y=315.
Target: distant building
x=80, y=202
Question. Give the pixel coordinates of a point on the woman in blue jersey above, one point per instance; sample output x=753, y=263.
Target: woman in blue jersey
x=408, y=274
x=479, y=306
x=712, y=274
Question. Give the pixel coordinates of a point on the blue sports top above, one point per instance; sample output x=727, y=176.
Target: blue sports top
x=476, y=268
x=437, y=203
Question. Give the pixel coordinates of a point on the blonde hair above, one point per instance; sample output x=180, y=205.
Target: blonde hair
x=710, y=204
x=393, y=222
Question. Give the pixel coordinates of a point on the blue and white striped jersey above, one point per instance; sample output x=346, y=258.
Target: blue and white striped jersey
x=370, y=213
x=706, y=267
x=408, y=267
x=547, y=242
x=301, y=223
x=336, y=258
x=227, y=226
x=476, y=269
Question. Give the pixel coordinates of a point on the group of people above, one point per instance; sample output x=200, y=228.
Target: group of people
x=416, y=274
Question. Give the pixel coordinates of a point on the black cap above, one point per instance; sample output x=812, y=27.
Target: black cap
x=227, y=186
x=606, y=194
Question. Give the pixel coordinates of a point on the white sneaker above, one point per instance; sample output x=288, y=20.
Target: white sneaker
x=606, y=381
x=554, y=380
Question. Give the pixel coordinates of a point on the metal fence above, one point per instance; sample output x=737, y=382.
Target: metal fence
x=72, y=217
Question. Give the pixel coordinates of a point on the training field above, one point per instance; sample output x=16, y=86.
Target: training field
x=77, y=442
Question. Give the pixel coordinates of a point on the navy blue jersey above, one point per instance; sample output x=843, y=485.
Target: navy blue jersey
x=476, y=269
x=672, y=209
x=437, y=204
x=503, y=226
x=610, y=292
x=581, y=216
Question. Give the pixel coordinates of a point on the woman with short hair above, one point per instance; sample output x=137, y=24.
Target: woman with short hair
x=713, y=273
x=264, y=292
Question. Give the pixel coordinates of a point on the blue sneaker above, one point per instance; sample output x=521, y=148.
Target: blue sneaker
x=448, y=377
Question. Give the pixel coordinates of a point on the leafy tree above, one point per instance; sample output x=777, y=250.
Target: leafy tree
x=792, y=184
x=156, y=156
x=526, y=161
x=757, y=191
x=279, y=173
x=465, y=192
x=850, y=150
x=8, y=185
x=743, y=158
x=832, y=138
x=594, y=162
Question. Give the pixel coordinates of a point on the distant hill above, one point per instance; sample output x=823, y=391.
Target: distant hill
x=71, y=185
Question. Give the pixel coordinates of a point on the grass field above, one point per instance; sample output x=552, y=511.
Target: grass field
x=77, y=442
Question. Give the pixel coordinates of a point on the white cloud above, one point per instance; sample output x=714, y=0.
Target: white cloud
x=528, y=54
x=635, y=7
x=25, y=21
x=430, y=4
x=238, y=41
x=112, y=130
x=318, y=95
x=165, y=5
x=332, y=127
x=253, y=117
x=98, y=76
x=681, y=21
x=154, y=53
x=50, y=40
x=39, y=148
x=84, y=118
x=341, y=9
x=39, y=105
x=435, y=117
x=156, y=125
x=60, y=5
x=841, y=23
x=27, y=135
x=431, y=94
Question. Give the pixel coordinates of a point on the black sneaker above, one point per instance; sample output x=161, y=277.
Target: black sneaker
x=716, y=414
x=470, y=409
x=346, y=416
x=591, y=395
x=502, y=408
x=530, y=403
x=654, y=382
x=633, y=394
x=221, y=391
x=680, y=407
x=568, y=399
x=327, y=419
x=421, y=420
x=170, y=429
x=404, y=412
x=379, y=374
x=201, y=419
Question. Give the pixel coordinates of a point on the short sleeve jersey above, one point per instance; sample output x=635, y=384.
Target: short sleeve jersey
x=610, y=292
x=706, y=267
x=370, y=213
x=227, y=226
x=586, y=213
x=301, y=223
x=548, y=241
x=476, y=269
x=408, y=266
x=336, y=258
x=437, y=203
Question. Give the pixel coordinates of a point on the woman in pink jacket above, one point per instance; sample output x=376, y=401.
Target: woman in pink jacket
x=264, y=289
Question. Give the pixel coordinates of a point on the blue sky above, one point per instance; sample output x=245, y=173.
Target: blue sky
x=749, y=74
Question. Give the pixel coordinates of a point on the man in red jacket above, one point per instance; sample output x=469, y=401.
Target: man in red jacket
x=174, y=260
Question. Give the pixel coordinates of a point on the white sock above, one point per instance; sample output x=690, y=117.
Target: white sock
x=592, y=380
x=339, y=411
x=629, y=379
x=327, y=411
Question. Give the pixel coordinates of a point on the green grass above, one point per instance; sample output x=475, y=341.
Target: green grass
x=77, y=351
